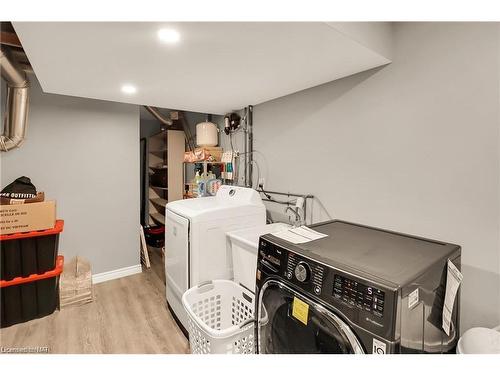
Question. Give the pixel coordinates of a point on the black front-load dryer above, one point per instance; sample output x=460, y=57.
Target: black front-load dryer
x=348, y=293
x=283, y=330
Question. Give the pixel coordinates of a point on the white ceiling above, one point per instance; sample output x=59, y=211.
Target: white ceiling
x=215, y=68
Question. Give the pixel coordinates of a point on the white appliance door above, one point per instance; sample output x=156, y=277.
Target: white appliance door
x=176, y=254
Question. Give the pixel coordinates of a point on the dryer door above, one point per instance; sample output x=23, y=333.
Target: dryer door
x=290, y=322
x=177, y=253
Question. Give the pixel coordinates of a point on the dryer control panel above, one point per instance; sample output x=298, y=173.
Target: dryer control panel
x=354, y=293
x=363, y=302
x=296, y=267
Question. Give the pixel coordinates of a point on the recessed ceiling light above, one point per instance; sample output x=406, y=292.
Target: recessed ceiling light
x=129, y=89
x=169, y=36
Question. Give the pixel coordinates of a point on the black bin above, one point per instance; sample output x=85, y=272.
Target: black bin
x=27, y=298
x=28, y=253
x=155, y=235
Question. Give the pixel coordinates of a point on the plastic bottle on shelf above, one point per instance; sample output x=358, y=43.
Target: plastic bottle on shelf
x=211, y=186
x=229, y=171
x=196, y=180
x=201, y=184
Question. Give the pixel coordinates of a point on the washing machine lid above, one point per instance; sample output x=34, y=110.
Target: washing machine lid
x=230, y=200
x=393, y=259
x=193, y=207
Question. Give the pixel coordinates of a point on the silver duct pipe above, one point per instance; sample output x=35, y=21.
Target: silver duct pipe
x=157, y=115
x=27, y=68
x=16, y=109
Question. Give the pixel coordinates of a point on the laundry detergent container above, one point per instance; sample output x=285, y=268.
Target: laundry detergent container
x=244, y=244
x=480, y=340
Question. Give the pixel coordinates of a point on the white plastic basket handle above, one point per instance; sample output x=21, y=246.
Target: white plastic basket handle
x=205, y=286
x=246, y=322
x=247, y=297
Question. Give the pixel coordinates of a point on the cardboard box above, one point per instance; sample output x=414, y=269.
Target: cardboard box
x=215, y=152
x=201, y=154
x=15, y=218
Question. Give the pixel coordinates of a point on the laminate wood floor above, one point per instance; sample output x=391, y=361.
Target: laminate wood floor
x=128, y=315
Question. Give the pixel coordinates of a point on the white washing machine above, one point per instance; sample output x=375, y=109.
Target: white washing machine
x=195, y=239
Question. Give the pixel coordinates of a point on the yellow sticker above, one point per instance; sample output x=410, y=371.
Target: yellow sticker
x=300, y=310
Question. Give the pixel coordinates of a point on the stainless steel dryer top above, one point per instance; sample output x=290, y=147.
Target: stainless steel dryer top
x=391, y=258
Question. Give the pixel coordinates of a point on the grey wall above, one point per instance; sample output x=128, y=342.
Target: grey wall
x=412, y=147
x=85, y=154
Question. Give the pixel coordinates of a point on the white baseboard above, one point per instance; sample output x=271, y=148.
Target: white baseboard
x=116, y=274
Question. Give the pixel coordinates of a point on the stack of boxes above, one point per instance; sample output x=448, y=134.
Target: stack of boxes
x=76, y=283
x=30, y=264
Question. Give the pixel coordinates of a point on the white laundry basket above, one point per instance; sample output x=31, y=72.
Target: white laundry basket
x=221, y=318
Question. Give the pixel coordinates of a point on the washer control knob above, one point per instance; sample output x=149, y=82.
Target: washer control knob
x=302, y=272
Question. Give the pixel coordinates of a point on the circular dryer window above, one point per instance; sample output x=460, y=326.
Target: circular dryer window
x=312, y=329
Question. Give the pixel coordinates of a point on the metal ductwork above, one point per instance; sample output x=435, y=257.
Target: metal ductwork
x=16, y=108
x=187, y=133
x=157, y=115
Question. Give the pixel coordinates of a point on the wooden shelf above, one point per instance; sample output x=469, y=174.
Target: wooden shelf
x=159, y=168
x=159, y=218
x=165, y=156
x=159, y=201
